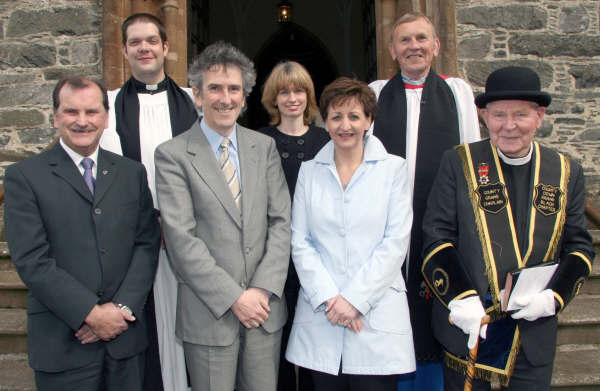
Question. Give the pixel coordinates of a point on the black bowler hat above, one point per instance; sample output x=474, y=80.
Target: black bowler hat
x=519, y=83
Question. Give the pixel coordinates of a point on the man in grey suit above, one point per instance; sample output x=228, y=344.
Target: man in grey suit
x=226, y=219
x=82, y=233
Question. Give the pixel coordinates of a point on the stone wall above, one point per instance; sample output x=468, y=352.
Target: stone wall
x=40, y=42
x=561, y=41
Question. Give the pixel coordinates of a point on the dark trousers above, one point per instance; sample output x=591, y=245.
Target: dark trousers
x=343, y=382
x=525, y=377
x=103, y=374
x=153, y=380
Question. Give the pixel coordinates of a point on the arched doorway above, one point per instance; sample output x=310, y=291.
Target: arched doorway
x=290, y=42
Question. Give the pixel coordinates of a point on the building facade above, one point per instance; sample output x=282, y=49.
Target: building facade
x=41, y=41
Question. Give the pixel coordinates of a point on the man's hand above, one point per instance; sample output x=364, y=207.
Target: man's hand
x=252, y=307
x=340, y=311
x=86, y=335
x=107, y=321
x=467, y=314
x=535, y=306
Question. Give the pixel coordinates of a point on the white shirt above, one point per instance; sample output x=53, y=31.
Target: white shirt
x=77, y=158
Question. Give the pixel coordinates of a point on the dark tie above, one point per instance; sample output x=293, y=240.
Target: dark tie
x=87, y=164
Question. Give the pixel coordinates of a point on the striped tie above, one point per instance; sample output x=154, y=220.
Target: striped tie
x=229, y=173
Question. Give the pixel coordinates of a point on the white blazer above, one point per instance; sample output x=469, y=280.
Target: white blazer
x=352, y=243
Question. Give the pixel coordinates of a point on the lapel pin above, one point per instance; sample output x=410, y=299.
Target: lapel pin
x=104, y=172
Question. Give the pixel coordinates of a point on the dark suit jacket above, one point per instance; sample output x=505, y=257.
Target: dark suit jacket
x=216, y=252
x=74, y=250
x=450, y=219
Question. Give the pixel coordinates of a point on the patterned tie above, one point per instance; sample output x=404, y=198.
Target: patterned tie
x=229, y=172
x=87, y=164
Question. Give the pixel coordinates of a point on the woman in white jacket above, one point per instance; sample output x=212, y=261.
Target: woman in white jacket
x=351, y=223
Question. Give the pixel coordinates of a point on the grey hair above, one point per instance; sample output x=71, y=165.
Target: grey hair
x=222, y=54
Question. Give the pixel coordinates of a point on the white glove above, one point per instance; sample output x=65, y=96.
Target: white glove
x=535, y=306
x=466, y=314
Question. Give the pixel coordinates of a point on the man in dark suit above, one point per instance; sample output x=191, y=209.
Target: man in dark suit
x=499, y=205
x=225, y=211
x=82, y=234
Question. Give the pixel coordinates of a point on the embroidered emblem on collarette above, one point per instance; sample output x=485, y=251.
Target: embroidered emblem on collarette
x=492, y=197
x=547, y=199
x=483, y=170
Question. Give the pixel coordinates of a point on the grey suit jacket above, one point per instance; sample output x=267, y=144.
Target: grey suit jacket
x=215, y=252
x=74, y=250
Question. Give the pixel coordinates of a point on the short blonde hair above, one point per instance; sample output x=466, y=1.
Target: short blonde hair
x=284, y=75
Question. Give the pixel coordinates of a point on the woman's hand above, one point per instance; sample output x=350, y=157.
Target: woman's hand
x=356, y=324
x=340, y=311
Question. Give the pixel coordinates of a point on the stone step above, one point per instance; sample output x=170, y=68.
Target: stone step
x=15, y=373
x=592, y=285
x=13, y=331
x=576, y=368
x=13, y=293
x=5, y=261
x=579, y=323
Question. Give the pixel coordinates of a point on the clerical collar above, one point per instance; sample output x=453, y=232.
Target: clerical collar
x=143, y=88
x=516, y=161
x=416, y=82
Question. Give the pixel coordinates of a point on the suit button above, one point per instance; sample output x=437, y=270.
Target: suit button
x=243, y=285
x=247, y=250
x=100, y=293
x=103, y=251
x=98, y=211
x=342, y=232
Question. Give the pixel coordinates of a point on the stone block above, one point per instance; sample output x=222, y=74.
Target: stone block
x=21, y=118
x=7, y=155
x=573, y=20
x=57, y=73
x=17, y=78
x=478, y=71
x=511, y=17
x=28, y=94
x=569, y=121
x=37, y=135
x=84, y=52
x=550, y=45
x=59, y=21
x=586, y=76
x=589, y=135
x=578, y=109
x=557, y=107
x=26, y=55
x=474, y=47
x=4, y=139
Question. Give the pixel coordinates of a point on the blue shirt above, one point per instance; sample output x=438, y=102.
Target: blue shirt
x=215, y=139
